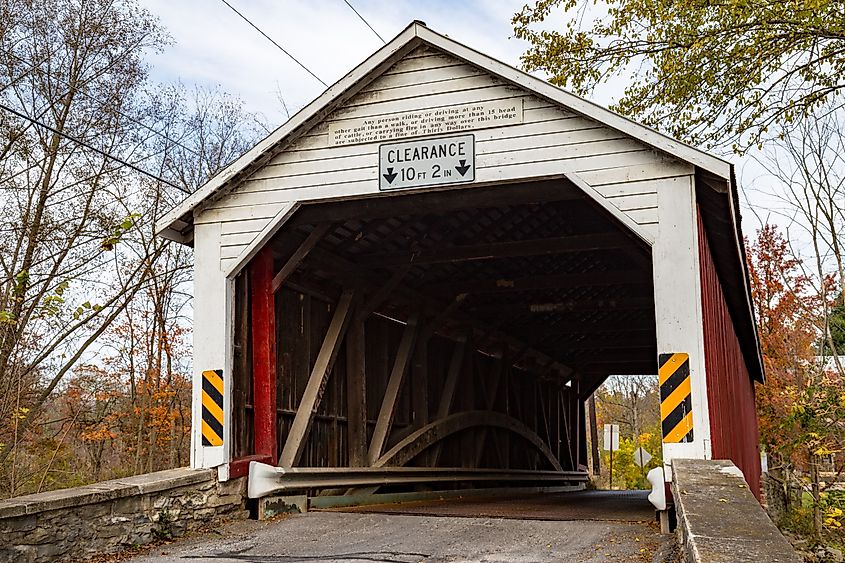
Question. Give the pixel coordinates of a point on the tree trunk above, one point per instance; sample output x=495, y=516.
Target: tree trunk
x=816, y=491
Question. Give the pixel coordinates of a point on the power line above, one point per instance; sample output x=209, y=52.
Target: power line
x=93, y=148
x=270, y=39
x=351, y=7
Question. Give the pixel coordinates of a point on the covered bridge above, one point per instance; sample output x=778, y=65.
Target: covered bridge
x=438, y=260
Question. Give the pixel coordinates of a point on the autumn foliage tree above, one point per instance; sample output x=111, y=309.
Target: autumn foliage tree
x=787, y=333
x=801, y=407
x=94, y=307
x=706, y=72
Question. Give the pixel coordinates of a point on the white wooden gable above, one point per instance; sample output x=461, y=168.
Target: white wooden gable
x=622, y=165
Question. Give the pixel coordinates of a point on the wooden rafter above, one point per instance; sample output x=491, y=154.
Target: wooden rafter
x=561, y=281
x=565, y=328
x=568, y=306
x=575, y=342
x=316, y=382
x=511, y=249
x=440, y=202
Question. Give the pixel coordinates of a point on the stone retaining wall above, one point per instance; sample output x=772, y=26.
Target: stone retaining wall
x=105, y=517
x=719, y=520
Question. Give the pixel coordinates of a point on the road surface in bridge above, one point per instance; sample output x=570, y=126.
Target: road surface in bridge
x=588, y=527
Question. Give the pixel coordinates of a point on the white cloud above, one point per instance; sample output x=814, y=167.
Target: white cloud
x=213, y=46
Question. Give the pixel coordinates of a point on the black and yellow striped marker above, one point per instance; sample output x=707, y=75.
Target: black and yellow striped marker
x=212, y=407
x=675, y=398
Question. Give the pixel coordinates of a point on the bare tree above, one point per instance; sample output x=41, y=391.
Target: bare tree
x=809, y=172
x=631, y=400
x=78, y=120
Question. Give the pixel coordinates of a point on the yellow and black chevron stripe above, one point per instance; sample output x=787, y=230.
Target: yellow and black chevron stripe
x=675, y=398
x=212, y=407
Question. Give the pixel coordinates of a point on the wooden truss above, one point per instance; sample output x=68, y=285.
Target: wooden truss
x=462, y=338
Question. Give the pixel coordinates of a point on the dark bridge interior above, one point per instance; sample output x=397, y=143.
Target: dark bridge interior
x=454, y=329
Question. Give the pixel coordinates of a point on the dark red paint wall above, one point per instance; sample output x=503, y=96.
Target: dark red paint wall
x=730, y=389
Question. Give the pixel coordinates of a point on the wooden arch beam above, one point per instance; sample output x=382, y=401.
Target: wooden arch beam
x=418, y=441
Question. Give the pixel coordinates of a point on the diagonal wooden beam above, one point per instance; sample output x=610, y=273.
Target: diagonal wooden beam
x=394, y=385
x=300, y=253
x=511, y=249
x=316, y=386
x=347, y=270
x=445, y=314
x=449, y=385
x=379, y=297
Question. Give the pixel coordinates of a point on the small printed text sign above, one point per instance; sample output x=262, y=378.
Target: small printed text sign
x=425, y=122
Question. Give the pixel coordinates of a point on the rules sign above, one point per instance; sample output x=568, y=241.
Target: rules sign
x=430, y=162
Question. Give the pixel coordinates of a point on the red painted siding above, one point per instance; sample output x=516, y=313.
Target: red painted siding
x=730, y=389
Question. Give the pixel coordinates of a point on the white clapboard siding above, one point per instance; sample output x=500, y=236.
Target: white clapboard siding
x=423, y=76
x=258, y=212
x=570, y=132
x=551, y=140
x=426, y=89
x=441, y=99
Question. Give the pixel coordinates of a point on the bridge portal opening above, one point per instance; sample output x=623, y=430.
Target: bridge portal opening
x=449, y=338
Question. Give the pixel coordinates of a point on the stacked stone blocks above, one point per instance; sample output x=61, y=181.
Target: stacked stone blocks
x=111, y=516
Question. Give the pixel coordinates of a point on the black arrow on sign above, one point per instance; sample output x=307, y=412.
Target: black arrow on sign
x=390, y=176
x=463, y=167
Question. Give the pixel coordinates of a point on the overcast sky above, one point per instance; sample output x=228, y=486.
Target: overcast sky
x=212, y=46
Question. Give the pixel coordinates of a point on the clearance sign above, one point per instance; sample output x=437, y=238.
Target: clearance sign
x=430, y=162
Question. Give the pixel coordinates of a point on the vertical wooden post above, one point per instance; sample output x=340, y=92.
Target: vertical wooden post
x=594, y=436
x=448, y=393
x=356, y=393
x=419, y=377
x=263, y=354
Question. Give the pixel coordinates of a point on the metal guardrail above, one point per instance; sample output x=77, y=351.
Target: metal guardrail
x=265, y=479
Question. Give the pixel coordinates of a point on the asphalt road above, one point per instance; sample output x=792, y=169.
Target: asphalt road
x=356, y=537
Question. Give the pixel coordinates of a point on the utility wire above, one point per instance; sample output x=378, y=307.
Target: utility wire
x=93, y=148
x=351, y=7
x=270, y=39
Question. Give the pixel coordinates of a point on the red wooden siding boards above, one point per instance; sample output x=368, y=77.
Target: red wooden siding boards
x=730, y=389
